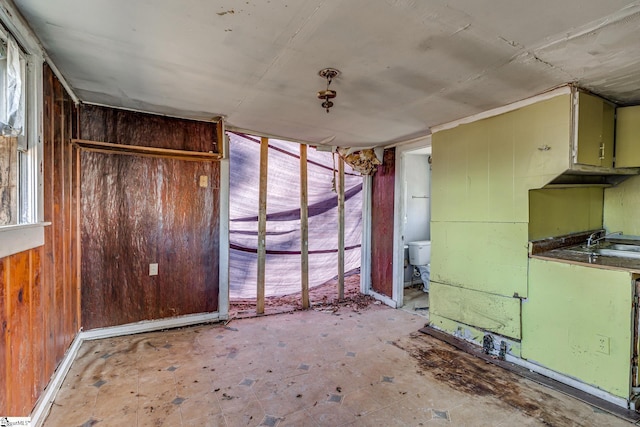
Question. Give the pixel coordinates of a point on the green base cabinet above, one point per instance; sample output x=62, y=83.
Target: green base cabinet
x=578, y=321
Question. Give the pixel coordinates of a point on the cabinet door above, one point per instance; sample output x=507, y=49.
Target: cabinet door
x=628, y=137
x=595, y=131
x=608, y=134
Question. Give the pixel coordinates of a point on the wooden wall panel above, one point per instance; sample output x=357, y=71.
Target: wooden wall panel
x=19, y=340
x=4, y=325
x=38, y=286
x=130, y=128
x=382, y=225
x=140, y=210
x=22, y=344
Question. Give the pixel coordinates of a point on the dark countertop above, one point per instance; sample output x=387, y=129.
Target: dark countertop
x=568, y=249
x=583, y=258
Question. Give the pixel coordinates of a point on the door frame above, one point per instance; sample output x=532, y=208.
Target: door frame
x=400, y=192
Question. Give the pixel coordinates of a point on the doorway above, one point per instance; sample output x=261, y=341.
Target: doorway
x=412, y=226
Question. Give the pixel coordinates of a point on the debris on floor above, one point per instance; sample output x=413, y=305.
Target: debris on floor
x=323, y=298
x=303, y=368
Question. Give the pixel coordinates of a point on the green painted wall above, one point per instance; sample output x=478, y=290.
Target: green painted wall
x=483, y=256
x=622, y=207
x=490, y=312
x=481, y=176
x=482, y=171
x=468, y=333
x=577, y=320
x=559, y=211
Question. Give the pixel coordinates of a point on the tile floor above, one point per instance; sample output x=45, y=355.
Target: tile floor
x=308, y=368
x=416, y=301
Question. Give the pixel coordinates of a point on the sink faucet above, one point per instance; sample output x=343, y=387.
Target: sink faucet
x=592, y=240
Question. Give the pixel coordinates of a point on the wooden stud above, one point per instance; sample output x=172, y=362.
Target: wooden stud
x=304, y=227
x=262, y=223
x=341, y=229
x=78, y=278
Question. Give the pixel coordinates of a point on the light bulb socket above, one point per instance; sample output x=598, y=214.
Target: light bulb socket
x=327, y=94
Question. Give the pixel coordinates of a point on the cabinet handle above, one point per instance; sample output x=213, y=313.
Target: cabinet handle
x=545, y=147
x=602, y=151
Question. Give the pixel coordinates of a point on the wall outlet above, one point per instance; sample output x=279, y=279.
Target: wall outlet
x=602, y=344
x=153, y=269
x=204, y=181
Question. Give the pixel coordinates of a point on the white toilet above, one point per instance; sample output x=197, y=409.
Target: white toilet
x=420, y=257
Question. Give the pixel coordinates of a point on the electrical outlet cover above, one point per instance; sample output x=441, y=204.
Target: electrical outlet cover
x=153, y=269
x=602, y=344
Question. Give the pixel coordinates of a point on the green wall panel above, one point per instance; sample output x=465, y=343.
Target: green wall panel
x=482, y=171
x=559, y=211
x=493, y=313
x=485, y=256
x=467, y=332
x=622, y=207
x=577, y=320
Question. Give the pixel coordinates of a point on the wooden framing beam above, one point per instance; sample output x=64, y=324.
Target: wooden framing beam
x=262, y=223
x=137, y=150
x=341, y=229
x=304, y=227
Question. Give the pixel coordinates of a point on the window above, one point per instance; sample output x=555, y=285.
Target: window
x=21, y=61
x=14, y=181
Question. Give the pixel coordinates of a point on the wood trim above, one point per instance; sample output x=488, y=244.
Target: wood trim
x=221, y=142
x=341, y=230
x=262, y=223
x=137, y=150
x=304, y=227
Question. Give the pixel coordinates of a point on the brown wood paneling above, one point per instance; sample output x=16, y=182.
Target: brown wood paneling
x=22, y=341
x=36, y=325
x=37, y=320
x=4, y=324
x=130, y=128
x=140, y=210
x=19, y=336
x=49, y=253
x=382, y=225
x=57, y=218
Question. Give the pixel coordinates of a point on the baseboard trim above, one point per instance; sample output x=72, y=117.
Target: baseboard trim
x=562, y=383
x=41, y=410
x=383, y=298
x=149, y=326
x=564, y=379
x=43, y=405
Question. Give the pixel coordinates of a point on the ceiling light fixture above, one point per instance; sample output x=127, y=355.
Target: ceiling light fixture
x=327, y=94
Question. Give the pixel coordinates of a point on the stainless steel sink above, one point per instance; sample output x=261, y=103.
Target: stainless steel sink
x=634, y=253
x=612, y=249
x=623, y=247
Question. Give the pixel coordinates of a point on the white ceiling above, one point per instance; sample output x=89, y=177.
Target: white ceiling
x=406, y=65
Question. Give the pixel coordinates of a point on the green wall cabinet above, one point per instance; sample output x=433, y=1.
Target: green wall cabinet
x=628, y=137
x=595, y=120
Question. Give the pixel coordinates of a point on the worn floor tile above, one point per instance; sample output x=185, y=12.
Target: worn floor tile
x=309, y=368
